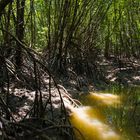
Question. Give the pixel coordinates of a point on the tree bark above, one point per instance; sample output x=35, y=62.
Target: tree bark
x=19, y=32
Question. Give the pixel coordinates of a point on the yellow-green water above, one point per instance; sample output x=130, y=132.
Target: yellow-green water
x=92, y=125
x=92, y=121
x=104, y=98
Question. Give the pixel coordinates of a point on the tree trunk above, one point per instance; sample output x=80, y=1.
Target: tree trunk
x=19, y=32
x=3, y=4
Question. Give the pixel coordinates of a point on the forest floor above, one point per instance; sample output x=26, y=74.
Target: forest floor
x=125, y=72
x=21, y=99
x=122, y=72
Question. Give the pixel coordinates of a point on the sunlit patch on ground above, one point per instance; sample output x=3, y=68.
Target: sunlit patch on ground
x=104, y=98
x=92, y=125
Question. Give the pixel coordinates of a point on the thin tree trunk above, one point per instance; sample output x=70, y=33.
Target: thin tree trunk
x=19, y=32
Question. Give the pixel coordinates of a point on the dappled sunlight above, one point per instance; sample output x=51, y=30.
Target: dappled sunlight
x=92, y=125
x=104, y=98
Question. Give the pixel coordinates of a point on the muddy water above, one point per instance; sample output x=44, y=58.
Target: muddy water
x=91, y=121
x=104, y=99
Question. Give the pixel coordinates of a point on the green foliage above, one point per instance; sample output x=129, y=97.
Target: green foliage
x=112, y=26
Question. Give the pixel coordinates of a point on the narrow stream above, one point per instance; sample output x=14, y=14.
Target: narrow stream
x=91, y=120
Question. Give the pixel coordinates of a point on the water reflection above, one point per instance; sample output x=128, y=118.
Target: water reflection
x=92, y=124
x=104, y=98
